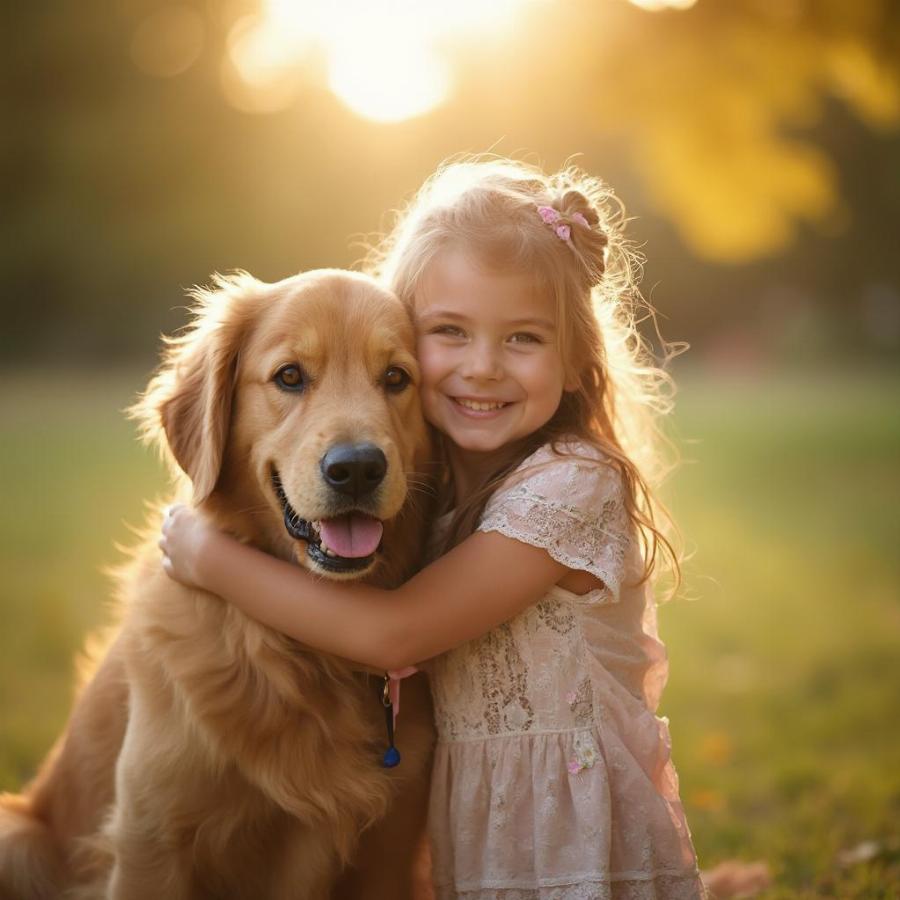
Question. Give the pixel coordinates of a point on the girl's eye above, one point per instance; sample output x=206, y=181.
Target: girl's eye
x=449, y=330
x=524, y=337
x=396, y=379
x=291, y=378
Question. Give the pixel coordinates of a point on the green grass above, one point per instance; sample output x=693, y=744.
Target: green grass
x=785, y=685
x=74, y=478
x=785, y=677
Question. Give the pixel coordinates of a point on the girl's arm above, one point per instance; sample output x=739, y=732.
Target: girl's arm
x=479, y=584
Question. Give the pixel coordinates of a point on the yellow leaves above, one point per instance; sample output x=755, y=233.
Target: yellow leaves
x=720, y=111
x=864, y=82
x=714, y=153
x=736, y=198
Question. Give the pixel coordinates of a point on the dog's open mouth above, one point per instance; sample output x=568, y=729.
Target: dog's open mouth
x=346, y=543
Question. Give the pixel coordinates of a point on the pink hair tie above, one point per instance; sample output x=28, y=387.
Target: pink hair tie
x=548, y=214
x=551, y=216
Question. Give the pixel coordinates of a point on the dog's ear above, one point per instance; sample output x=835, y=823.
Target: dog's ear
x=186, y=408
x=196, y=415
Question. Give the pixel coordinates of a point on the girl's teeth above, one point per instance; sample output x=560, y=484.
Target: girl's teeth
x=480, y=407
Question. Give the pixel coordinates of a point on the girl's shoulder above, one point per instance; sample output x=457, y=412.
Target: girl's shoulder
x=571, y=467
x=567, y=448
x=568, y=499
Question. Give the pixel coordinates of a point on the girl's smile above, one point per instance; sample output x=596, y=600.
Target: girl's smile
x=479, y=407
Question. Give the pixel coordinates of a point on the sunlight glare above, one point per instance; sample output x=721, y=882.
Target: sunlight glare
x=386, y=61
x=389, y=84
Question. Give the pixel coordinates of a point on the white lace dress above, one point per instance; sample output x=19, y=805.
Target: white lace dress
x=552, y=778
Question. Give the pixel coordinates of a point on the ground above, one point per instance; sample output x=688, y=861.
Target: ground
x=785, y=684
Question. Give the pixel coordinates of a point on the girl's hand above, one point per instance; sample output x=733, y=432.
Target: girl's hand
x=185, y=539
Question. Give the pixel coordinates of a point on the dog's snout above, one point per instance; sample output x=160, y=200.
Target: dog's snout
x=354, y=469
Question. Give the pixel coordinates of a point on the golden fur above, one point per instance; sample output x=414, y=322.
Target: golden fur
x=209, y=756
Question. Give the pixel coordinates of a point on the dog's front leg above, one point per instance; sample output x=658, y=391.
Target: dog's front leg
x=146, y=873
x=152, y=857
x=148, y=865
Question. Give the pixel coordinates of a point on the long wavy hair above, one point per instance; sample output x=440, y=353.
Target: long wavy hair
x=565, y=231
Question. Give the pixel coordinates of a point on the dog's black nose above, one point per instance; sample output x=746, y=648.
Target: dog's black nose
x=354, y=469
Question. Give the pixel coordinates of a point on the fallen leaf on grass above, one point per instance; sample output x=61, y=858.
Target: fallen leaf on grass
x=706, y=799
x=859, y=854
x=716, y=748
x=865, y=852
x=733, y=879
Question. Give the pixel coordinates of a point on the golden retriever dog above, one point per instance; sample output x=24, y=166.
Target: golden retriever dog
x=208, y=756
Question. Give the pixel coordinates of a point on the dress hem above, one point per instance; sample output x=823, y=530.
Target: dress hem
x=573, y=880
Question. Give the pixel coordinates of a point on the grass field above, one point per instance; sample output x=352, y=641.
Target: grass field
x=784, y=697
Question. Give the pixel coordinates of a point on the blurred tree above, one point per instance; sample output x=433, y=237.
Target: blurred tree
x=756, y=134
x=720, y=104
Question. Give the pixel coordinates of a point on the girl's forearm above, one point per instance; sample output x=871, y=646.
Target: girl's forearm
x=355, y=621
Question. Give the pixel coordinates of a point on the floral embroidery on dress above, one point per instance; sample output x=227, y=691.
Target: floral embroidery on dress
x=585, y=754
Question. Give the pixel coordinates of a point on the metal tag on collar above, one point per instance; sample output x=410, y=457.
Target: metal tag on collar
x=391, y=756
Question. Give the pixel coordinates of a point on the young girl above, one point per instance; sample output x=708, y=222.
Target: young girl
x=552, y=777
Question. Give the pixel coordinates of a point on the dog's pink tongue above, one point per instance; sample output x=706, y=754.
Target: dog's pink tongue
x=351, y=536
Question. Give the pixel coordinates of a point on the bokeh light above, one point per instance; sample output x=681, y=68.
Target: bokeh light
x=168, y=41
x=257, y=75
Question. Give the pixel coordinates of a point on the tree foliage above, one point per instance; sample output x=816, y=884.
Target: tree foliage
x=755, y=134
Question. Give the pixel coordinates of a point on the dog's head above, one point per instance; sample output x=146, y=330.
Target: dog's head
x=293, y=408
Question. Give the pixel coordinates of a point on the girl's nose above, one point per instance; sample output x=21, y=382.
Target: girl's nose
x=482, y=360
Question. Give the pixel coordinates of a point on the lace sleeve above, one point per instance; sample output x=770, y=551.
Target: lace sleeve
x=572, y=507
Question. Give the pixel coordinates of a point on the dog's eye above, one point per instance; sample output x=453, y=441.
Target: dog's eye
x=396, y=379
x=291, y=378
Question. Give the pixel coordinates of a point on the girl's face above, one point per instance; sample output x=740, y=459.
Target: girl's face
x=492, y=372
